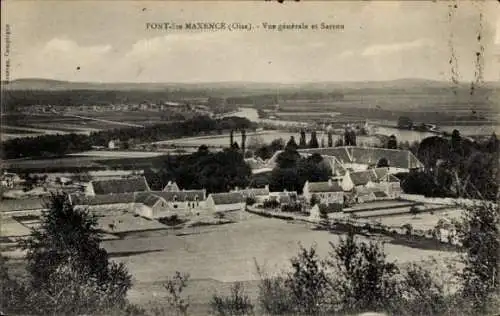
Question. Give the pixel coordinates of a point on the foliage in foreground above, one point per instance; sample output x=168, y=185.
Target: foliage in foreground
x=356, y=277
x=69, y=273
x=237, y=303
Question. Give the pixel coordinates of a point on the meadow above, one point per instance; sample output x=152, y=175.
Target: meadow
x=217, y=256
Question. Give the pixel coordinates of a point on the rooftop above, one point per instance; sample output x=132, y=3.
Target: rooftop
x=114, y=186
x=370, y=155
x=254, y=191
x=227, y=198
x=182, y=196
x=327, y=186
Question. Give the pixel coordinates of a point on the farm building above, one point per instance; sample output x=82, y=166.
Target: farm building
x=171, y=187
x=372, y=184
x=362, y=158
x=285, y=197
x=259, y=194
x=115, y=186
x=161, y=204
x=225, y=202
x=151, y=204
x=327, y=192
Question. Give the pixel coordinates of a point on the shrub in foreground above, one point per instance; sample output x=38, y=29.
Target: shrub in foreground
x=237, y=303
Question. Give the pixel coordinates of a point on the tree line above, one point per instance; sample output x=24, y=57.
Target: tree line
x=59, y=145
x=214, y=171
x=456, y=167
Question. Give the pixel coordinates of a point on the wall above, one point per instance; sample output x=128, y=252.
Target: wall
x=230, y=207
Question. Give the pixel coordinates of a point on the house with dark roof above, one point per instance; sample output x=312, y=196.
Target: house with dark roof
x=361, y=158
x=327, y=192
x=115, y=186
x=225, y=202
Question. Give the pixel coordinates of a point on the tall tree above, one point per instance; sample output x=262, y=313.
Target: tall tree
x=481, y=240
x=243, y=140
x=68, y=239
x=392, y=143
x=291, y=145
x=302, y=141
x=313, y=143
x=330, y=139
x=405, y=122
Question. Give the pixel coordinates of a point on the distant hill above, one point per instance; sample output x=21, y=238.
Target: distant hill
x=48, y=84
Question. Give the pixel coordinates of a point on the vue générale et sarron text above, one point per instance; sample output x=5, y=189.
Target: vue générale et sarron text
x=239, y=26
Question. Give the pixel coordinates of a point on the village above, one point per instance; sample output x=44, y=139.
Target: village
x=361, y=187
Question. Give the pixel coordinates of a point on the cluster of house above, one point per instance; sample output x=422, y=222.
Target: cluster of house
x=134, y=194
x=355, y=176
x=355, y=187
x=355, y=158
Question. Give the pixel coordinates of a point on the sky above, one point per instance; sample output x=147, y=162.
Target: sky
x=107, y=41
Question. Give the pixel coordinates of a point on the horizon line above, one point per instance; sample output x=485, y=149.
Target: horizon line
x=246, y=82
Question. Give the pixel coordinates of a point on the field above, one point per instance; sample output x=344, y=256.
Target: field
x=215, y=256
x=91, y=160
x=212, y=258
x=422, y=221
x=82, y=122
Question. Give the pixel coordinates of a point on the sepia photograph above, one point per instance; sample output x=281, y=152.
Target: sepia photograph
x=257, y=157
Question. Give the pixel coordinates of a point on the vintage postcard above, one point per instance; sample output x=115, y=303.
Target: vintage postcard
x=249, y=157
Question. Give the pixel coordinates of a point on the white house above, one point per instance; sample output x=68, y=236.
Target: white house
x=259, y=194
x=185, y=200
x=327, y=192
x=285, y=197
x=150, y=204
x=372, y=184
x=225, y=202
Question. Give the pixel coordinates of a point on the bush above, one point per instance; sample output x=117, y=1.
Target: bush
x=414, y=210
x=291, y=208
x=250, y=200
x=365, y=280
x=175, y=286
x=275, y=298
x=237, y=303
x=481, y=241
x=272, y=204
x=68, y=271
x=421, y=294
x=172, y=220
x=308, y=282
